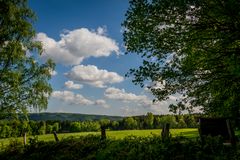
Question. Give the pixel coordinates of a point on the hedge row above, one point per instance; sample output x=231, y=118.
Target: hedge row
x=141, y=148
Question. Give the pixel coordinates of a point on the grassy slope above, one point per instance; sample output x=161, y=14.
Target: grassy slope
x=188, y=132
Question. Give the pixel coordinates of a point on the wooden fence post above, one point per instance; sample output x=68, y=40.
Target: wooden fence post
x=231, y=132
x=55, y=136
x=165, y=131
x=103, y=133
x=24, y=138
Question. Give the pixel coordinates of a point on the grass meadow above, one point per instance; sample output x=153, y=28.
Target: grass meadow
x=186, y=132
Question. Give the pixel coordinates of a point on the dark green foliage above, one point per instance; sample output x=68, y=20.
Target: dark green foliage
x=190, y=47
x=131, y=148
x=190, y=121
x=105, y=123
x=168, y=119
x=130, y=123
x=41, y=128
x=148, y=120
x=55, y=127
x=49, y=128
x=34, y=127
x=84, y=126
x=6, y=131
x=114, y=125
x=18, y=128
x=70, y=148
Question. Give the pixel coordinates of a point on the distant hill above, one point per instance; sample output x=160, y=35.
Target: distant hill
x=70, y=116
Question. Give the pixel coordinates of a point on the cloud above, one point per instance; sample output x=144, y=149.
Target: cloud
x=121, y=94
x=101, y=102
x=76, y=45
x=77, y=99
x=71, y=98
x=157, y=85
x=72, y=85
x=53, y=72
x=101, y=30
x=91, y=75
x=131, y=111
x=139, y=100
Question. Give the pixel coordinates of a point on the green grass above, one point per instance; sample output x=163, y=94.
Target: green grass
x=237, y=133
x=188, y=132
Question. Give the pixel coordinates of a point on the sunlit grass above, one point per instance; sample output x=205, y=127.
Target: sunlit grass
x=188, y=132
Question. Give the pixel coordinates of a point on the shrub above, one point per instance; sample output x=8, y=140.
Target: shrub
x=131, y=148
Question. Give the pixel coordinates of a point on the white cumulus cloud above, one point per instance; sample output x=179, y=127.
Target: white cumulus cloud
x=139, y=100
x=130, y=111
x=122, y=95
x=78, y=99
x=71, y=98
x=101, y=102
x=91, y=75
x=72, y=85
x=76, y=45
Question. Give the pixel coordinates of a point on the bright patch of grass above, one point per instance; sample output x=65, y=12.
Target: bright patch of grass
x=188, y=132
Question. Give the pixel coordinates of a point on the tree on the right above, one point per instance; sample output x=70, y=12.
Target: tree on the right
x=189, y=48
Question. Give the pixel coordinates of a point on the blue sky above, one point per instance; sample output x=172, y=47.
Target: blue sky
x=85, y=40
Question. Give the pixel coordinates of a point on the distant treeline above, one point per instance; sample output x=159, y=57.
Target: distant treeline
x=43, y=116
x=16, y=128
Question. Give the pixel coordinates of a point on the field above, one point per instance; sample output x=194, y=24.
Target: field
x=137, y=147
x=188, y=132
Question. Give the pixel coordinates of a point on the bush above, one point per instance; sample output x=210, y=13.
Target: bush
x=141, y=148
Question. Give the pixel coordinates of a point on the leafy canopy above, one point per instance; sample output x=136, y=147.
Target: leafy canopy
x=23, y=80
x=189, y=47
